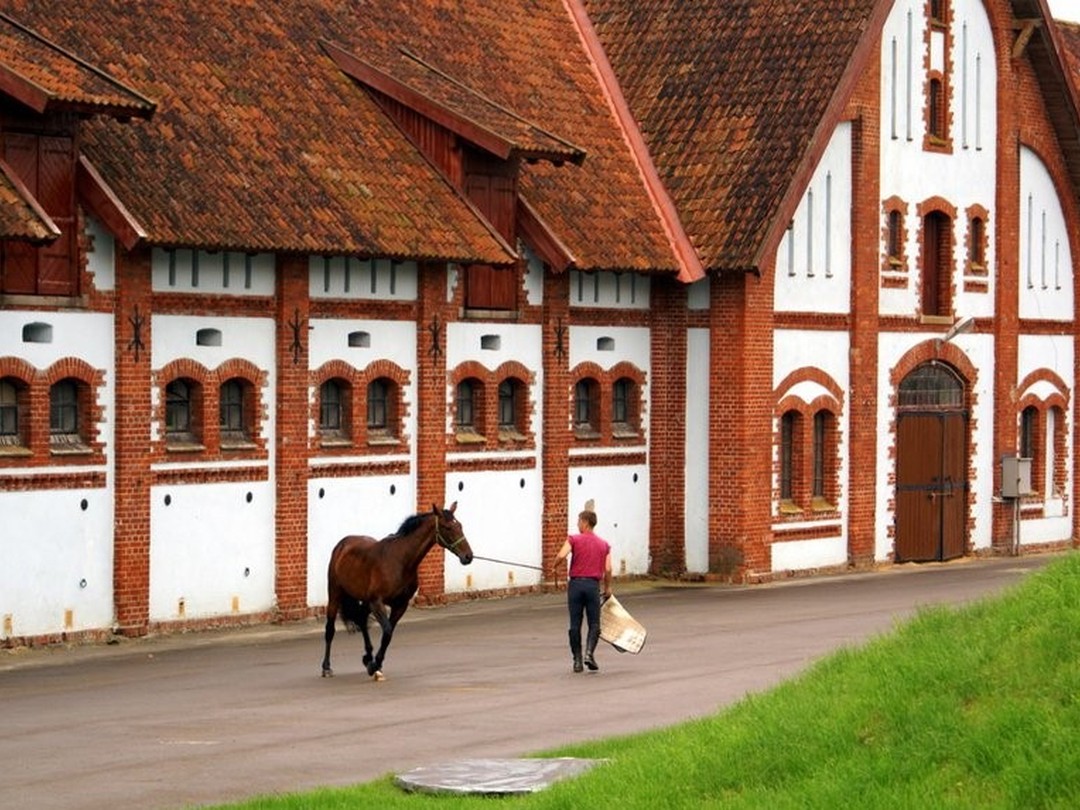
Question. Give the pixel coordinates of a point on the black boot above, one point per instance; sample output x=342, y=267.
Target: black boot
x=590, y=648
x=575, y=649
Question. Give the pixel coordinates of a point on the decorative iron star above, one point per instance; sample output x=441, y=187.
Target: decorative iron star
x=136, y=320
x=560, y=334
x=435, y=350
x=297, y=327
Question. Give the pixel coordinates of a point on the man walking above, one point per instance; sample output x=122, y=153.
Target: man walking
x=590, y=562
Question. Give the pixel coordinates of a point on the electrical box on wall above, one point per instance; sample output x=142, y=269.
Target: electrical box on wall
x=1015, y=476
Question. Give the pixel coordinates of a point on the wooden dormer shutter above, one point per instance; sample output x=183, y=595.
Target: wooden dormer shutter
x=46, y=166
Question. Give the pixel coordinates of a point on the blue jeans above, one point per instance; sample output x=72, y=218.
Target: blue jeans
x=583, y=597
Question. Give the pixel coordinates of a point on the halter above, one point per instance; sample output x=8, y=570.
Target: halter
x=449, y=545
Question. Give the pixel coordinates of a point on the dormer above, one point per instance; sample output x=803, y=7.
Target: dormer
x=477, y=143
x=45, y=94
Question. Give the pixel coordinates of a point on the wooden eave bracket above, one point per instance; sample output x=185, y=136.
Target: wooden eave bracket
x=1027, y=29
x=23, y=90
x=106, y=205
x=543, y=239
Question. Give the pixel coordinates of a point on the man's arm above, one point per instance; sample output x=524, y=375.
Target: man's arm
x=564, y=552
x=607, y=575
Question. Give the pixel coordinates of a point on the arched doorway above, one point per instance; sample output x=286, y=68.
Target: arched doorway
x=931, y=465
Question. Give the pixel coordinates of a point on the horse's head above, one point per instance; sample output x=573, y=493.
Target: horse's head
x=450, y=535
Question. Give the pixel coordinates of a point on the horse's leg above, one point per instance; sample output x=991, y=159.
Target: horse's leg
x=387, y=625
x=331, y=619
x=365, y=611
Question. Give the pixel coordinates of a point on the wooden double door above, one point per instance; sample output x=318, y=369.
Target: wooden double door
x=931, y=485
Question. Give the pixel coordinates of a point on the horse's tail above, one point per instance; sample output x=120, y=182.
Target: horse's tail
x=350, y=612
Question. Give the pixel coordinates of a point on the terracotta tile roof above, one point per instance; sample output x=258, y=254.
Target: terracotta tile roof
x=20, y=216
x=45, y=77
x=728, y=95
x=526, y=56
x=1070, y=37
x=406, y=76
x=259, y=142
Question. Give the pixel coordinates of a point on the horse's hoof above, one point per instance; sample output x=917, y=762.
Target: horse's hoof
x=328, y=673
x=378, y=676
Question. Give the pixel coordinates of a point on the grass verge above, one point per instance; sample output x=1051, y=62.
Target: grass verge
x=969, y=707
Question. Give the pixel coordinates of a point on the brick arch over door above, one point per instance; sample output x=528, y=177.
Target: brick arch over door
x=932, y=403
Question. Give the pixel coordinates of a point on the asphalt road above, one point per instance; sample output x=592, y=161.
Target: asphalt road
x=211, y=717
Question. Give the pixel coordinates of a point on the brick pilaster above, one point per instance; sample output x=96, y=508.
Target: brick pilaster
x=431, y=412
x=556, y=426
x=667, y=428
x=131, y=533
x=862, y=402
x=740, y=425
x=293, y=309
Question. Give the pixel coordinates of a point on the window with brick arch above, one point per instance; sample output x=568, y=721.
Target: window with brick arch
x=512, y=401
x=625, y=408
x=183, y=413
x=335, y=409
x=936, y=115
x=382, y=396
x=977, y=244
x=13, y=395
x=68, y=402
x=937, y=276
x=1042, y=439
x=822, y=488
x=789, y=428
x=237, y=412
x=469, y=424
x=587, y=408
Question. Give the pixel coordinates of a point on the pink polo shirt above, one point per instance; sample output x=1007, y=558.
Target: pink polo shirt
x=588, y=552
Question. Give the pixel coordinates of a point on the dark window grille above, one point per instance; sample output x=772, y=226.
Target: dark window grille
x=378, y=404
x=64, y=410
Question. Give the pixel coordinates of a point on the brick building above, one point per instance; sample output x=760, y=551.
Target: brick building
x=777, y=284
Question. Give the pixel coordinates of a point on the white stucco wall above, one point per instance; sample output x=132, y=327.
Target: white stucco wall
x=47, y=536
x=501, y=513
x=1054, y=353
x=963, y=176
x=1046, y=277
x=813, y=262
x=338, y=506
x=828, y=352
x=211, y=544
x=696, y=519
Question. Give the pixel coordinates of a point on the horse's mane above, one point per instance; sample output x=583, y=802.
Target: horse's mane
x=409, y=525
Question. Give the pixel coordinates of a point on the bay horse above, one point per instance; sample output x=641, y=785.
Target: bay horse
x=368, y=576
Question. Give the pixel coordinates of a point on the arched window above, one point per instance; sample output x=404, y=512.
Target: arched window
x=236, y=408
x=12, y=406
x=1029, y=427
x=335, y=408
x=624, y=408
x=930, y=386
x=977, y=245
x=895, y=238
x=378, y=398
x=788, y=452
x=937, y=277
x=67, y=410
x=587, y=408
x=469, y=410
x=824, y=455
x=512, y=402
x=183, y=417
